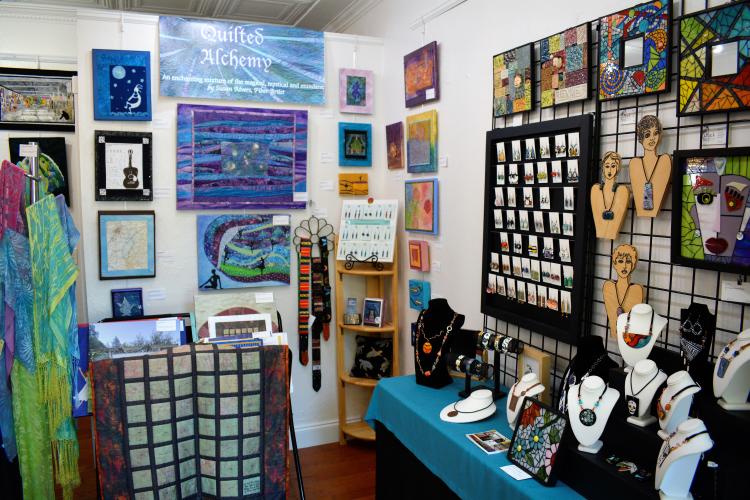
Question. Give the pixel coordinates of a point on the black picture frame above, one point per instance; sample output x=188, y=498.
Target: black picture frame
x=118, y=294
x=142, y=189
x=42, y=77
x=680, y=159
x=567, y=328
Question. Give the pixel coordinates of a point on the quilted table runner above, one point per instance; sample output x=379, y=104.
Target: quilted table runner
x=197, y=421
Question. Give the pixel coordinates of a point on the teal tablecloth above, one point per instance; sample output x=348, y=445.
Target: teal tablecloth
x=412, y=413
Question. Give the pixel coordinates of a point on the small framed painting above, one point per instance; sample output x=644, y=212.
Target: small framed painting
x=421, y=142
x=513, y=81
x=421, y=82
x=394, y=137
x=353, y=184
x=35, y=99
x=355, y=91
x=122, y=85
x=239, y=324
x=421, y=205
x=419, y=294
x=355, y=144
x=372, y=312
x=127, y=247
x=127, y=302
x=123, y=166
x=419, y=255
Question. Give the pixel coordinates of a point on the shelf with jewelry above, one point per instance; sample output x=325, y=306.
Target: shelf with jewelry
x=375, y=280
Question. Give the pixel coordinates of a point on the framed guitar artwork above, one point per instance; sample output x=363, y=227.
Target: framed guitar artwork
x=123, y=165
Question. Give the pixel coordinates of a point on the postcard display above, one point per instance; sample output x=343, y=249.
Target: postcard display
x=536, y=180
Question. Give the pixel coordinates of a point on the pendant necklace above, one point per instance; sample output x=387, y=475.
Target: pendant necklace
x=661, y=410
x=648, y=187
x=571, y=379
x=668, y=448
x=638, y=340
x=514, y=398
x=632, y=399
x=725, y=360
x=455, y=411
x=420, y=333
x=689, y=348
x=608, y=214
x=620, y=309
x=587, y=416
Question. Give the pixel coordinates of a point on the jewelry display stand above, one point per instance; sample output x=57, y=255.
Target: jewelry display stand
x=733, y=386
x=527, y=387
x=675, y=400
x=590, y=397
x=643, y=322
x=609, y=201
x=678, y=460
x=620, y=295
x=641, y=385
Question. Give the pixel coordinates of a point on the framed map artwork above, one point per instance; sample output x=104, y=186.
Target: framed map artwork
x=127, y=247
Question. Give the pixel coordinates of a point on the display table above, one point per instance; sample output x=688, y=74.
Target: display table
x=411, y=413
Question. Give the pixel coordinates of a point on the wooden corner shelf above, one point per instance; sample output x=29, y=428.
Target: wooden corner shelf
x=386, y=328
x=358, y=430
x=359, y=381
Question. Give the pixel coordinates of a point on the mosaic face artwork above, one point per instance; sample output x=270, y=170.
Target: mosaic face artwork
x=355, y=91
x=419, y=294
x=355, y=144
x=228, y=304
x=421, y=142
x=714, y=70
x=565, y=66
x=238, y=251
x=634, y=49
x=512, y=81
x=122, y=84
x=241, y=158
x=421, y=205
x=421, y=83
x=394, y=137
x=715, y=210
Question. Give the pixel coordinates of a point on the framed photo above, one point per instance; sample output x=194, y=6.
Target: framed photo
x=513, y=81
x=421, y=81
x=537, y=457
x=532, y=360
x=127, y=247
x=710, y=226
x=127, y=302
x=421, y=205
x=394, y=138
x=122, y=84
x=241, y=324
x=634, y=51
x=421, y=142
x=565, y=68
x=419, y=255
x=713, y=72
x=355, y=90
x=355, y=144
x=122, y=162
x=137, y=337
x=372, y=312
x=36, y=99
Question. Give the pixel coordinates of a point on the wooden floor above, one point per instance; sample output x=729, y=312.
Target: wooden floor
x=329, y=472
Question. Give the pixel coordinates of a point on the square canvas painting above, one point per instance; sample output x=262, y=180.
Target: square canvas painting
x=122, y=84
x=565, y=66
x=419, y=294
x=239, y=251
x=353, y=184
x=421, y=82
x=513, y=81
x=127, y=245
x=53, y=161
x=355, y=144
x=421, y=205
x=355, y=90
x=419, y=255
x=123, y=166
x=241, y=158
x=634, y=48
x=714, y=69
x=421, y=142
x=394, y=138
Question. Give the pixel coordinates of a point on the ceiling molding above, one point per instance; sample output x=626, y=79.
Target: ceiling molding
x=350, y=15
x=117, y=16
x=45, y=13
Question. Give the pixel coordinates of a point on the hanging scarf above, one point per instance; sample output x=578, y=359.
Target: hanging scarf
x=53, y=273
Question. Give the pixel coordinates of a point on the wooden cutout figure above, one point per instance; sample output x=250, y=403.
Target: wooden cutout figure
x=651, y=174
x=621, y=295
x=609, y=201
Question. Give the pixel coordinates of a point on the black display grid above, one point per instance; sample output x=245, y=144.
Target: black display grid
x=549, y=322
x=655, y=269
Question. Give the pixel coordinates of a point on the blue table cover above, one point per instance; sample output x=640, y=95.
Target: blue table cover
x=412, y=413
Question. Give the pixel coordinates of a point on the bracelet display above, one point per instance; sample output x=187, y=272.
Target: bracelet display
x=470, y=366
x=498, y=342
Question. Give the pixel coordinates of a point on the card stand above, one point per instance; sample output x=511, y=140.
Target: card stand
x=351, y=260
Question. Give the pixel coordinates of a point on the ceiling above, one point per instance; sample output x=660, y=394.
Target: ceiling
x=320, y=15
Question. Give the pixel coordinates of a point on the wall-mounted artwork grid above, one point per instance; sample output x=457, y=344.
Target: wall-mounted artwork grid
x=532, y=239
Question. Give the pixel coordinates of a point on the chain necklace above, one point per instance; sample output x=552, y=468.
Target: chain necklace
x=668, y=448
x=620, y=309
x=427, y=346
x=632, y=399
x=571, y=379
x=608, y=214
x=587, y=416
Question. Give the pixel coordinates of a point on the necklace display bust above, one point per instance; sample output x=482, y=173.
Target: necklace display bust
x=591, y=359
x=590, y=397
x=650, y=174
x=675, y=399
x=731, y=379
x=678, y=459
x=528, y=387
x=609, y=201
x=641, y=385
x=435, y=321
x=637, y=332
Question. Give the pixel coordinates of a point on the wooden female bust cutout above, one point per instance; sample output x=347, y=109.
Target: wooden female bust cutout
x=621, y=295
x=651, y=174
x=609, y=201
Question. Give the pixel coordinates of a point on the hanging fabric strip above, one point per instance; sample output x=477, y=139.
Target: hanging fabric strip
x=327, y=315
x=303, y=304
x=318, y=312
x=317, y=327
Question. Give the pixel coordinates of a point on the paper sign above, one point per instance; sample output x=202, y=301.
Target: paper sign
x=280, y=220
x=164, y=256
x=162, y=192
x=326, y=113
x=429, y=94
x=300, y=196
x=627, y=116
x=320, y=213
x=161, y=120
x=732, y=292
x=443, y=162
x=156, y=294
x=326, y=185
x=515, y=472
x=27, y=150
x=714, y=135
x=166, y=325
x=398, y=176
x=264, y=297
x=436, y=266
x=326, y=157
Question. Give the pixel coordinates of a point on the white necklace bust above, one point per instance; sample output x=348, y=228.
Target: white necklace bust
x=641, y=385
x=731, y=379
x=594, y=397
x=633, y=337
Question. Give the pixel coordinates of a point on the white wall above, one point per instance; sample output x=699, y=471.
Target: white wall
x=82, y=30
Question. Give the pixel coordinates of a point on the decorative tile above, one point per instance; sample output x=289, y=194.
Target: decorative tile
x=133, y=368
x=141, y=479
x=157, y=367
x=185, y=428
x=134, y=391
x=228, y=383
x=163, y=454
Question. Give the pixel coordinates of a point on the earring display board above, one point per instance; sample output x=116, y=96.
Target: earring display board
x=531, y=242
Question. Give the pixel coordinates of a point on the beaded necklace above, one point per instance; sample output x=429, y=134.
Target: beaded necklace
x=661, y=410
x=669, y=448
x=637, y=340
x=724, y=361
x=587, y=416
x=425, y=349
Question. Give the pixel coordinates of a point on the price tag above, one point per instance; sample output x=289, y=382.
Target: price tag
x=429, y=93
x=280, y=220
x=326, y=185
x=156, y=294
x=264, y=298
x=28, y=150
x=627, y=117
x=443, y=162
x=714, y=135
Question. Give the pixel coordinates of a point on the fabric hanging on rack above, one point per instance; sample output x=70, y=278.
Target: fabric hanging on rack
x=303, y=300
x=323, y=245
x=53, y=274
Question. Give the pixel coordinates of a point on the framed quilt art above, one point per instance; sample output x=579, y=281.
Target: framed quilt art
x=421, y=70
x=122, y=84
x=714, y=69
x=127, y=247
x=565, y=66
x=355, y=90
x=127, y=302
x=354, y=184
x=355, y=144
x=241, y=158
x=421, y=142
x=394, y=138
x=513, y=81
x=635, y=51
x=123, y=166
x=537, y=440
x=711, y=225
x=37, y=99
x=421, y=205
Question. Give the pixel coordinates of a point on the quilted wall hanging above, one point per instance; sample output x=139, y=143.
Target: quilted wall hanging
x=634, y=51
x=714, y=69
x=198, y=421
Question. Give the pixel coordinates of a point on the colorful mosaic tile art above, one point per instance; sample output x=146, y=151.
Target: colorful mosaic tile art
x=513, y=81
x=565, y=66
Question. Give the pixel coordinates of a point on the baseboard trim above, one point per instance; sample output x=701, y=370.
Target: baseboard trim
x=319, y=433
